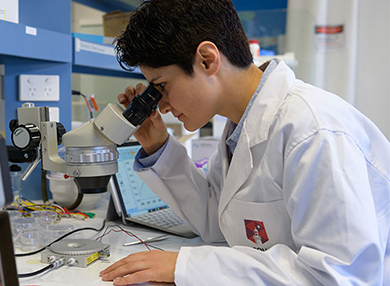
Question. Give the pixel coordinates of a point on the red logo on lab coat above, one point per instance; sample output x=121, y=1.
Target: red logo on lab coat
x=255, y=231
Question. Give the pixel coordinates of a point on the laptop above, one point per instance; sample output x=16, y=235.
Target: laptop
x=135, y=202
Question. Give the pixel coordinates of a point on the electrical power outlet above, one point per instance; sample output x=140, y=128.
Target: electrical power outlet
x=39, y=87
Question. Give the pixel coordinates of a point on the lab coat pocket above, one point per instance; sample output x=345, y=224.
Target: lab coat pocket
x=258, y=225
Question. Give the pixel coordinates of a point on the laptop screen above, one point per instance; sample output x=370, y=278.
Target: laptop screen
x=135, y=196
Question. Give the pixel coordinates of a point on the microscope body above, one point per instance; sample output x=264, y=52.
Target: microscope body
x=90, y=156
x=90, y=150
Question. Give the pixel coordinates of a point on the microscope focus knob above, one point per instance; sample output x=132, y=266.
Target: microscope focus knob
x=60, y=132
x=26, y=137
x=13, y=124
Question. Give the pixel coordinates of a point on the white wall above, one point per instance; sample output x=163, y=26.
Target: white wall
x=358, y=69
x=373, y=62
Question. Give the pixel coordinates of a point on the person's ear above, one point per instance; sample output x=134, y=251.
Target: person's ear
x=208, y=57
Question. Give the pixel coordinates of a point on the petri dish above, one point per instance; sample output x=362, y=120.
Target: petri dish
x=44, y=218
x=58, y=230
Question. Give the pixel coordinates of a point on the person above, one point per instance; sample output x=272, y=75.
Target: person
x=300, y=185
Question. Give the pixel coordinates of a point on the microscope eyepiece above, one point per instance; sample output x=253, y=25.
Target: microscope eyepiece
x=142, y=105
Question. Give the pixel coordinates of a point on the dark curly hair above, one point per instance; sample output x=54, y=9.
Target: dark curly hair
x=167, y=32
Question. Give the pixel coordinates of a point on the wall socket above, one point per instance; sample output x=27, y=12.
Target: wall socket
x=39, y=87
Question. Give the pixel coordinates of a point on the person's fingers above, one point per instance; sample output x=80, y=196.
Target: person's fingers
x=156, y=117
x=130, y=91
x=139, y=88
x=158, y=122
x=122, y=99
x=130, y=268
x=111, y=268
x=126, y=97
x=128, y=259
x=158, y=266
x=138, y=277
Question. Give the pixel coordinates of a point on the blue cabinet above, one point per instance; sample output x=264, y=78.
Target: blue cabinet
x=39, y=44
x=42, y=43
x=36, y=43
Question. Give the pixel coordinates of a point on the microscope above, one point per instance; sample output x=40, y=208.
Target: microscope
x=90, y=150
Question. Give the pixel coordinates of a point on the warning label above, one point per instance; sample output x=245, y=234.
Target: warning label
x=329, y=37
x=329, y=29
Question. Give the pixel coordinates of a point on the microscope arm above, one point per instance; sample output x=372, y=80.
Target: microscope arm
x=49, y=150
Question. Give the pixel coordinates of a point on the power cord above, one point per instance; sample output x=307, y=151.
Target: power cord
x=53, y=265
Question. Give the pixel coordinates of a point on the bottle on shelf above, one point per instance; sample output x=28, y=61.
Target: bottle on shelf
x=255, y=50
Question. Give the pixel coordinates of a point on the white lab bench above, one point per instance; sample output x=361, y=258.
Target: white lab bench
x=77, y=276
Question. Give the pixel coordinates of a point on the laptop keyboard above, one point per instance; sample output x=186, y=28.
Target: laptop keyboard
x=165, y=218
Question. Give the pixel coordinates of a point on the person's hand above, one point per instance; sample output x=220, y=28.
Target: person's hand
x=155, y=265
x=152, y=133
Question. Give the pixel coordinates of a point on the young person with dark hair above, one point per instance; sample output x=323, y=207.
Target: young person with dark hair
x=300, y=185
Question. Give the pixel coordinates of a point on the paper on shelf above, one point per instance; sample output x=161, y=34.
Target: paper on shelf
x=9, y=10
x=94, y=48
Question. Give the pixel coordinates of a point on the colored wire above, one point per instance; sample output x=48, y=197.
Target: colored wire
x=26, y=206
x=129, y=233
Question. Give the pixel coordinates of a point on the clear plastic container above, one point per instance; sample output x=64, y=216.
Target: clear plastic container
x=13, y=215
x=58, y=230
x=44, y=218
x=33, y=239
x=25, y=223
x=22, y=224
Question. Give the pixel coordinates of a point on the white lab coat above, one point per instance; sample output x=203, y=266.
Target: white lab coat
x=310, y=169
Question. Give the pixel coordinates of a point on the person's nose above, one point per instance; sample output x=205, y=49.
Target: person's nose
x=164, y=106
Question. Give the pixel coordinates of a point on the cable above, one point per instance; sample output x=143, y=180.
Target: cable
x=60, y=238
x=89, y=228
x=76, y=92
x=26, y=206
x=24, y=275
x=129, y=233
x=54, y=265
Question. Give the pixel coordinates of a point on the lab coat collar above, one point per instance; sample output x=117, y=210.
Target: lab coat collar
x=255, y=131
x=271, y=96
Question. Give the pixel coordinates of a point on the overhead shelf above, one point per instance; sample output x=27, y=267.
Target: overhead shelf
x=98, y=59
x=29, y=42
x=111, y=5
x=130, y=5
